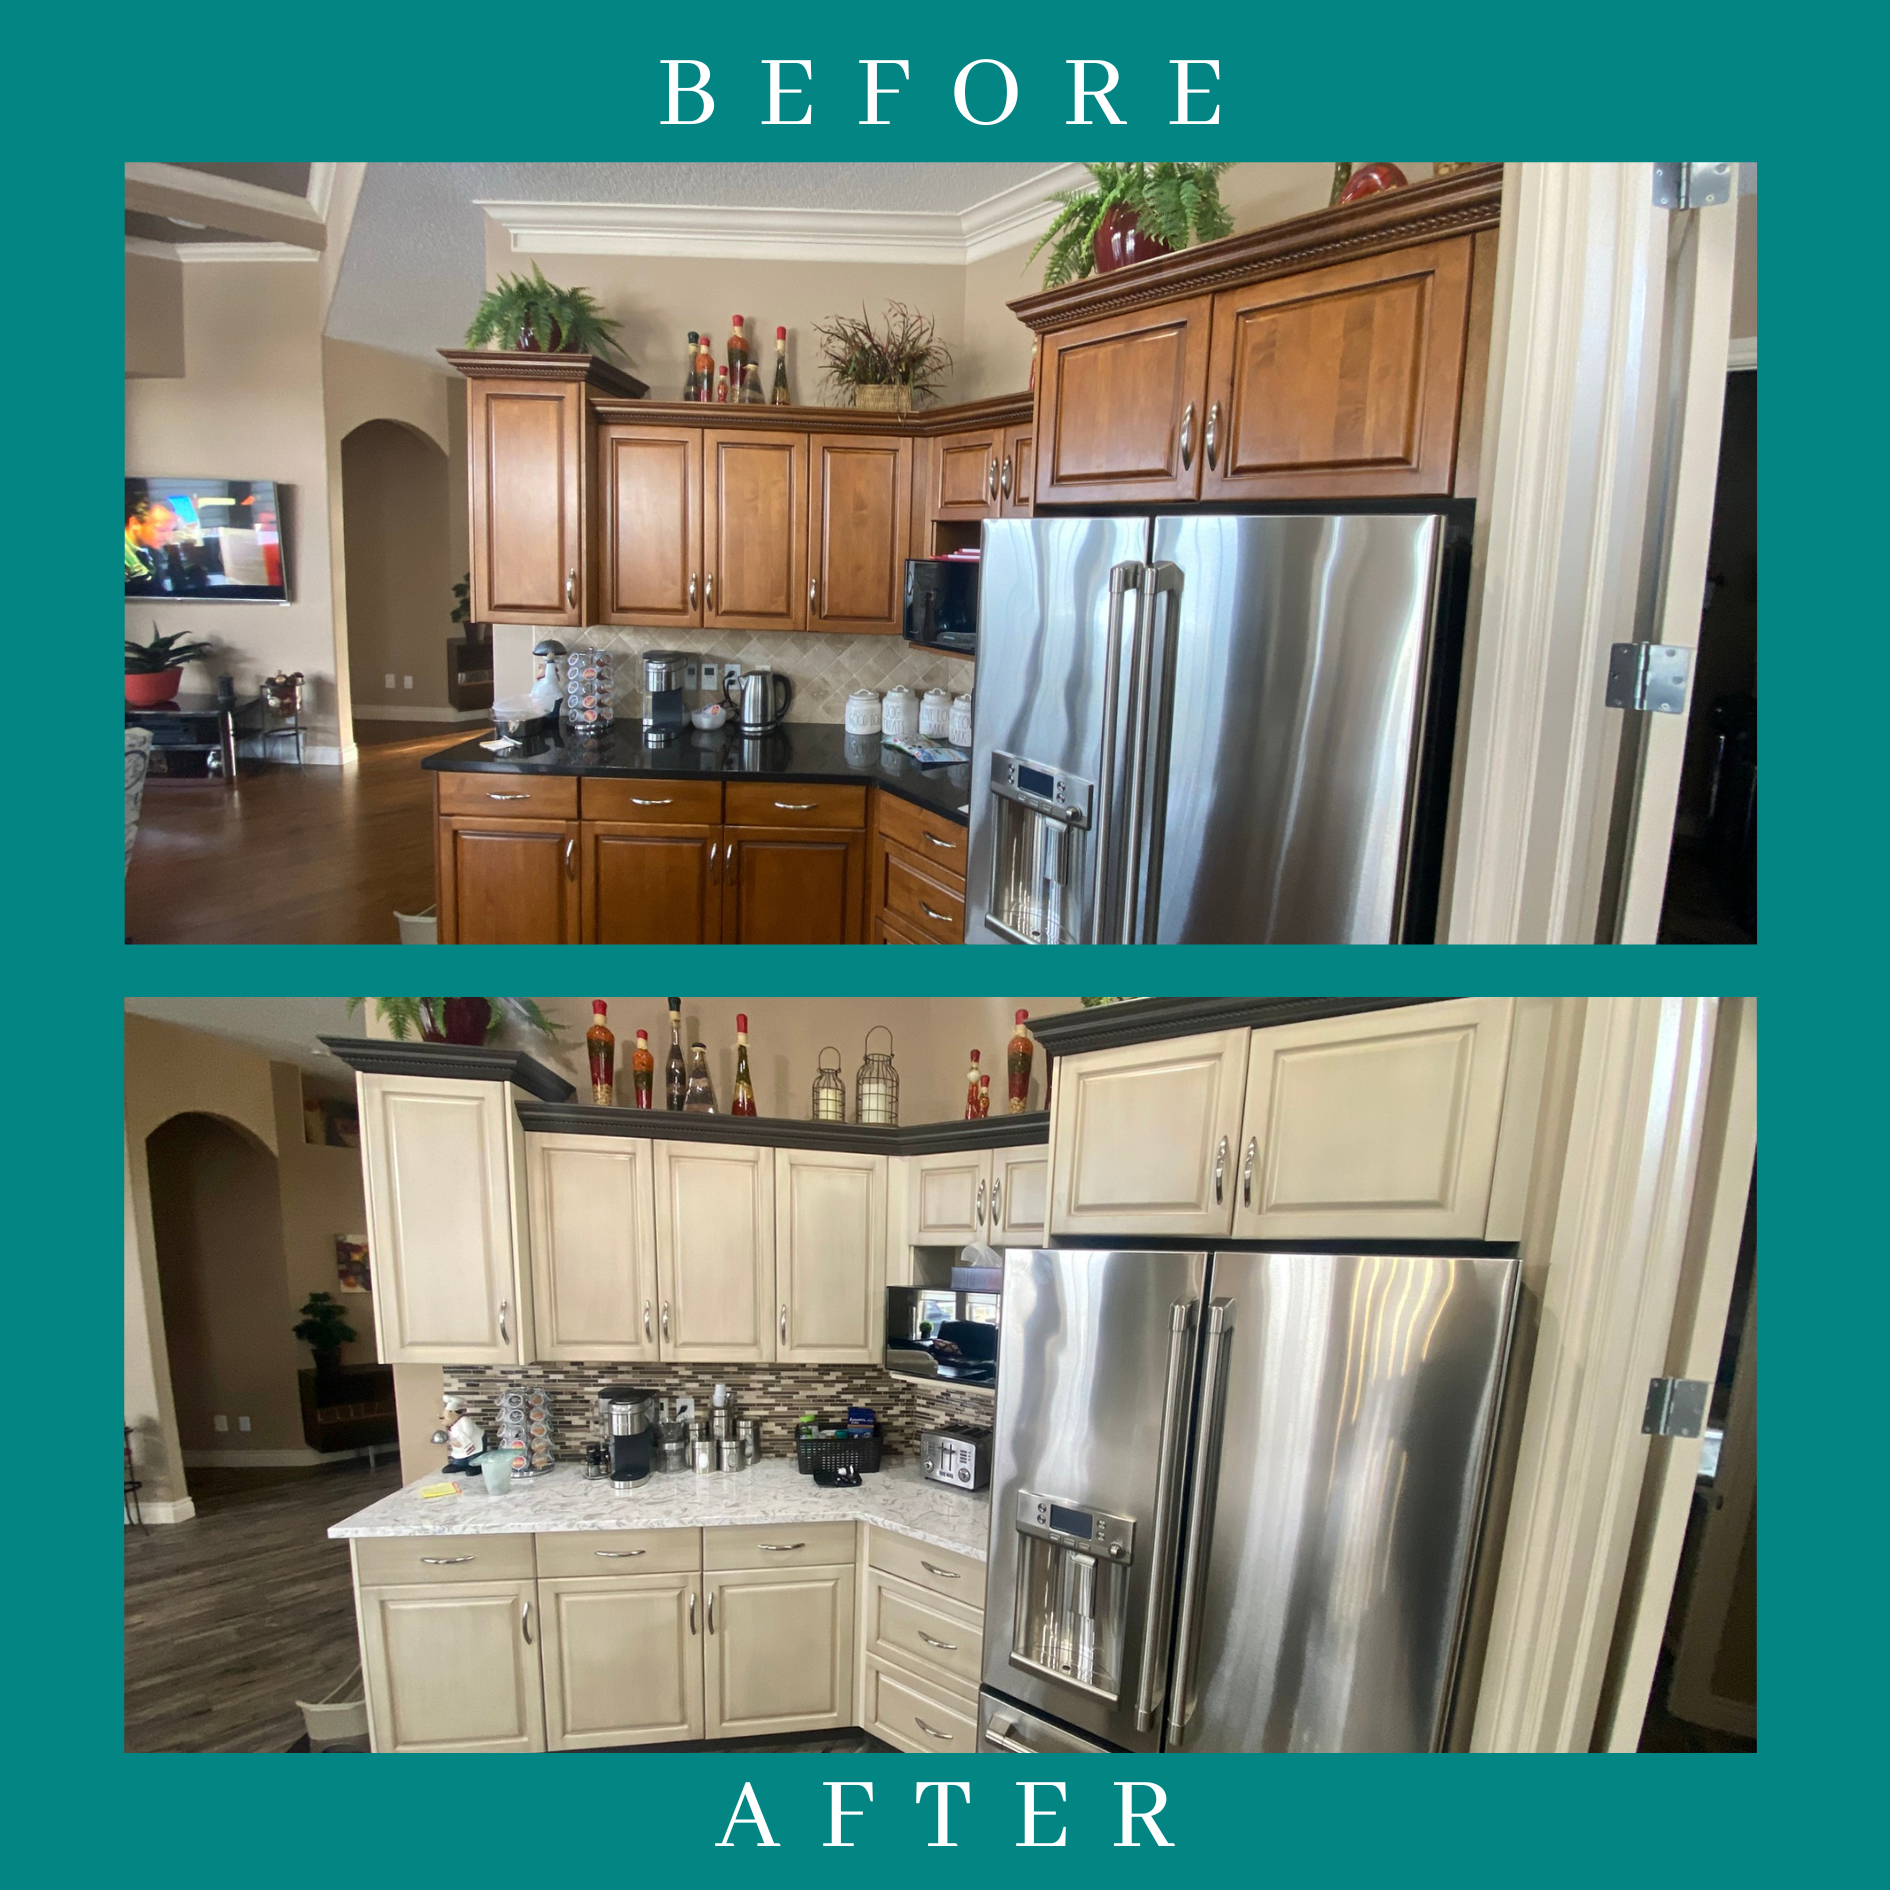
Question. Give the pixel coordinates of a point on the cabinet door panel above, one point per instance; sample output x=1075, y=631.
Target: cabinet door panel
x=857, y=532
x=794, y=887
x=949, y=1199
x=449, y=1668
x=780, y=1658
x=508, y=882
x=755, y=530
x=649, y=492
x=593, y=1246
x=439, y=1161
x=918, y=1715
x=1020, y=1195
x=1382, y=1126
x=829, y=1257
x=1138, y=1134
x=651, y=885
x=622, y=1660
x=917, y=1630
x=965, y=475
x=1017, y=475
x=1342, y=381
x=1122, y=407
x=715, y=1251
x=527, y=503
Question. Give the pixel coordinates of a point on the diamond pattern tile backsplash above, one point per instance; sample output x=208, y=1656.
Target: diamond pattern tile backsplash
x=776, y=1394
x=824, y=668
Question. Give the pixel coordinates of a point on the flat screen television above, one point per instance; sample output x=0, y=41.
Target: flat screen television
x=204, y=540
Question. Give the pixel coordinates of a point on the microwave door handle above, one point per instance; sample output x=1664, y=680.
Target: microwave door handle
x=1148, y=1702
x=1141, y=646
x=1200, y=1525
x=1159, y=582
x=1122, y=581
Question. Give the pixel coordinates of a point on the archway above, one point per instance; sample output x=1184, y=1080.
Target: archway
x=399, y=576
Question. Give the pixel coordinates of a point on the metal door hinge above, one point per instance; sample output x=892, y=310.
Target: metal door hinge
x=1691, y=186
x=1648, y=676
x=1676, y=1407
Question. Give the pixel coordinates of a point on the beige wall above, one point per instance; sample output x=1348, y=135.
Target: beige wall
x=154, y=318
x=322, y=1196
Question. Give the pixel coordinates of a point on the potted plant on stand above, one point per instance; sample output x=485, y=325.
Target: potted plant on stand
x=533, y=316
x=324, y=1329
x=890, y=369
x=1130, y=212
x=153, y=670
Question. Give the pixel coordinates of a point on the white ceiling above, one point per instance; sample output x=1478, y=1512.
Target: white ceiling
x=282, y=1028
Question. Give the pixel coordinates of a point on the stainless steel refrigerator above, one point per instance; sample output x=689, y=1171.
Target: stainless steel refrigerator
x=1223, y=729
x=1236, y=1497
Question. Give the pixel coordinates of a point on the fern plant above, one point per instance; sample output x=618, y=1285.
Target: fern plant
x=425, y=1017
x=534, y=314
x=1179, y=204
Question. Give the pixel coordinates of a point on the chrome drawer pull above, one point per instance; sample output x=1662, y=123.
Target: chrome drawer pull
x=948, y=1574
x=797, y=807
x=637, y=800
x=445, y=1561
x=949, y=1647
x=508, y=797
x=931, y=1732
x=945, y=845
x=780, y=1548
x=941, y=917
x=619, y=1555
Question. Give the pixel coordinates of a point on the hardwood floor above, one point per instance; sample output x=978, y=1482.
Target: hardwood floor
x=232, y=1617
x=315, y=856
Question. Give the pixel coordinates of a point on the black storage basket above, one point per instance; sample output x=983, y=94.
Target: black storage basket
x=830, y=1453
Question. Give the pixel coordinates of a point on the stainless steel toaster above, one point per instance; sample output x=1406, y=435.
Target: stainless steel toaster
x=958, y=1455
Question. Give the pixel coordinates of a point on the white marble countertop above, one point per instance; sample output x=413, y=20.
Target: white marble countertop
x=773, y=1491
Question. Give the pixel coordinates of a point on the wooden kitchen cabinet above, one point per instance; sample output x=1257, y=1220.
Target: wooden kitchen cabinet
x=1382, y=1126
x=965, y=473
x=778, y=1654
x=829, y=1257
x=526, y=439
x=715, y=1251
x=1020, y=1197
x=452, y=1667
x=858, y=526
x=948, y=1199
x=1121, y=407
x=593, y=1246
x=1142, y=1138
x=622, y=1659
x=754, y=524
x=649, y=526
x=917, y=888
x=793, y=886
x=1339, y=382
x=444, y=1168
x=1017, y=472
x=508, y=881
x=651, y=885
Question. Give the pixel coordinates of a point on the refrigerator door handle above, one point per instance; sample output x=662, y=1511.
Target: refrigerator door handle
x=1159, y=581
x=1148, y=1701
x=1124, y=581
x=1200, y=1526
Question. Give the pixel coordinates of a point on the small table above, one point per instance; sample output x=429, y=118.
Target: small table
x=202, y=725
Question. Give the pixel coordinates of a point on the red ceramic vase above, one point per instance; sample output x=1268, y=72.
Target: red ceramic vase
x=465, y=1020
x=153, y=689
x=1369, y=179
x=1119, y=241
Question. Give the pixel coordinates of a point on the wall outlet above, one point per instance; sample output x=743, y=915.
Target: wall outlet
x=242, y=1424
x=731, y=672
x=689, y=675
x=406, y=682
x=710, y=674
x=388, y=682
x=220, y=1422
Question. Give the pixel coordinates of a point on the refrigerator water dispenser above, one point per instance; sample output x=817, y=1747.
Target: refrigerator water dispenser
x=1072, y=1593
x=1040, y=868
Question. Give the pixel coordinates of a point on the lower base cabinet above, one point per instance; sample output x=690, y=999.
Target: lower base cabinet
x=453, y=1667
x=917, y=1715
x=778, y=1656
x=622, y=1661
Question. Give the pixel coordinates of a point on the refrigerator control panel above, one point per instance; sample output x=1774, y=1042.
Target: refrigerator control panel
x=1035, y=784
x=1092, y=1531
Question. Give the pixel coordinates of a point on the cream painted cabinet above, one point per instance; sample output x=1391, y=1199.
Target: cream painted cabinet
x=1020, y=1197
x=453, y=1666
x=593, y=1246
x=715, y=1251
x=948, y=1199
x=829, y=1257
x=622, y=1660
x=1382, y=1126
x=444, y=1164
x=778, y=1653
x=1142, y=1139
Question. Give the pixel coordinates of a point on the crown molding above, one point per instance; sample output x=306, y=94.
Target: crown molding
x=756, y=234
x=321, y=187
x=220, y=252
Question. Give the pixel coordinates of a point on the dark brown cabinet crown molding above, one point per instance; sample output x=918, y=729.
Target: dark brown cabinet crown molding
x=491, y=364
x=1003, y=410
x=1149, y=1020
x=384, y=1057
x=1455, y=205
x=849, y=1138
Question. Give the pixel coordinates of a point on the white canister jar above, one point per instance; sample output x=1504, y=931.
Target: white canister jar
x=863, y=712
x=961, y=721
x=899, y=713
x=935, y=715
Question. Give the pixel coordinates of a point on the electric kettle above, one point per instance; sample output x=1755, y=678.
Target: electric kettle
x=753, y=697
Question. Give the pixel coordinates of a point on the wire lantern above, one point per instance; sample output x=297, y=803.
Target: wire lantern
x=830, y=1088
x=876, y=1088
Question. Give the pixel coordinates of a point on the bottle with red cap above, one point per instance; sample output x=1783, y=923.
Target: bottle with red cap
x=602, y=1047
x=779, y=398
x=744, y=1104
x=643, y=1072
x=738, y=355
x=984, y=1097
x=1017, y=1065
x=971, y=1089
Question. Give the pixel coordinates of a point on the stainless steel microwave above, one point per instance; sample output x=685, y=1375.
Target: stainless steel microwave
x=942, y=603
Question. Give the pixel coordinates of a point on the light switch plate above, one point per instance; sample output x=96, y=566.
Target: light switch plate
x=689, y=675
x=221, y=1422
x=710, y=676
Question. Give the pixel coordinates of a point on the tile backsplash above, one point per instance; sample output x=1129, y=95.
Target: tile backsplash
x=776, y=1394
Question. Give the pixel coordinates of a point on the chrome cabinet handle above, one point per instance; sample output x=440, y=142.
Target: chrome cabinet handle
x=929, y=1731
x=570, y=588
x=1246, y=1173
x=505, y=1337
x=570, y=858
x=715, y=847
x=797, y=807
x=949, y=1647
x=508, y=797
x=646, y=1322
x=1200, y=1526
x=711, y=1610
x=525, y=1621
x=445, y=1561
x=780, y=1548
x=692, y=590
x=1187, y=436
x=1220, y=1170
x=1004, y=476
x=980, y=1203
x=637, y=800
x=930, y=914
x=708, y=590
x=692, y=1611
x=813, y=591
x=946, y=846
x=1213, y=430
x=619, y=1555
x=784, y=1325
x=666, y=1322
x=1148, y=1704
x=944, y=1574
x=991, y=479
x=997, y=1195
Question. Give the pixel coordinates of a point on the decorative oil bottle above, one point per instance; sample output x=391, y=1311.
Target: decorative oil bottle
x=1017, y=1065
x=744, y=1103
x=602, y=1046
x=642, y=1071
x=699, y=1099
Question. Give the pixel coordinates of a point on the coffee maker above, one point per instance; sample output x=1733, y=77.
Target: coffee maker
x=632, y=1436
x=665, y=711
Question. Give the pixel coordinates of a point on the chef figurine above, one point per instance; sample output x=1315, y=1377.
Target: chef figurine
x=464, y=1440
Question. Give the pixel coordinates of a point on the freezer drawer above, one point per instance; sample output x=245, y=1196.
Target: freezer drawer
x=1004, y=1726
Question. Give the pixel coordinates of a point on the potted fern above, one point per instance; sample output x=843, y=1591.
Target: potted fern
x=153, y=670
x=533, y=316
x=1129, y=212
x=458, y=1020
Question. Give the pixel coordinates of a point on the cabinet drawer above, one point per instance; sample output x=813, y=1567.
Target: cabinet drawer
x=917, y=1629
x=921, y=903
x=501, y=796
x=620, y=1552
x=916, y=1716
x=662, y=803
x=778, y=1545
x=941, y=1570
x=796, y=804
x=383, y=1561
x=939, y=842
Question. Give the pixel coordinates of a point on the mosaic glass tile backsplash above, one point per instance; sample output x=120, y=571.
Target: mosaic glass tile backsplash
x=776, y=1394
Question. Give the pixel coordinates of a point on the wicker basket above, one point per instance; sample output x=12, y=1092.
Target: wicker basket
x=829, y=1453
x=894, y=399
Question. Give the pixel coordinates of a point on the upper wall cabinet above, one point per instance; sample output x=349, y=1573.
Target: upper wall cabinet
x=754, y=530
x=593, y=1246
x=829, y=1257
x=858, y=528
x=715, y=1251
x=649, y=526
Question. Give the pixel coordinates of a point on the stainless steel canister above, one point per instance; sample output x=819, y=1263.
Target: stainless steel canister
x=728, y=1455
x=703, y=1454
x=749, y=1431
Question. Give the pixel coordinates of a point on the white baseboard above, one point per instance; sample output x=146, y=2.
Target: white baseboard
x=393, y=712
x=180, y=1511
x=325, y=755
x=268, y=1459
x=1741, y=352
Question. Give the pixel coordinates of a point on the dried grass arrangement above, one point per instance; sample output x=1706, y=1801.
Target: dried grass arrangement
x=898, y=365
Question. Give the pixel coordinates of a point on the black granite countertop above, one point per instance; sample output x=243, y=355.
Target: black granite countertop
x=797, y=751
